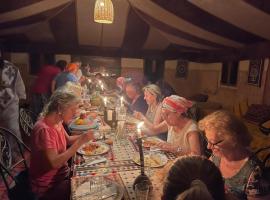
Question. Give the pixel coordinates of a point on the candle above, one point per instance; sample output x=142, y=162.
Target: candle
x=121, y=99
x=139, y=131
x=102, y=87
x=105, y=101
x=109, y=115
x=89, y=80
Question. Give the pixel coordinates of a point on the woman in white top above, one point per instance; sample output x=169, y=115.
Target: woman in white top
x=153, y=98
x=183, y=135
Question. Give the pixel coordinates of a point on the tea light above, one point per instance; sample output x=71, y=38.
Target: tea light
x=139, y=131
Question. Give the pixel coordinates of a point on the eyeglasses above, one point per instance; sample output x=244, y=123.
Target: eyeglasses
x=214, y=144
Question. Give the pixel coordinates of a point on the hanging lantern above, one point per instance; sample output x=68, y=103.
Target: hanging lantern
x=103, y=12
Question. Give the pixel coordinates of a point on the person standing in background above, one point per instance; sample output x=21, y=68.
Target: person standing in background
x=69, y=75
x=41, y=89
x=12, y=89
x=79, y=73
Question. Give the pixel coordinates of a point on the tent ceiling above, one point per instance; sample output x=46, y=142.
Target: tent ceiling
x=199, y=30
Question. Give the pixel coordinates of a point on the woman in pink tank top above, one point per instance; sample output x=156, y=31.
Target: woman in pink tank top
x=48, y=166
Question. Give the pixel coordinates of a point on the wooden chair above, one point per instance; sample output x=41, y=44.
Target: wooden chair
x=16, y=183
x=264, y=155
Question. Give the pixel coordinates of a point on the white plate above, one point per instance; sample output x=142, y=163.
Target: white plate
x=108, y=188
x=101, y=149
x=151, y=141
x=152, y=159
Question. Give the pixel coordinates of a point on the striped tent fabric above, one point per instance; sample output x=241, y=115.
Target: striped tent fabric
x=199, y=30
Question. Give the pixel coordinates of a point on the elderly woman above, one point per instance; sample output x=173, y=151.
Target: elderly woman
x=193, y=177
x=49, y=171
x=183, y=136
x=228, y=138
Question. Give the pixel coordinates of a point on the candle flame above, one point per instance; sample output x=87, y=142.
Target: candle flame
x=140, y=125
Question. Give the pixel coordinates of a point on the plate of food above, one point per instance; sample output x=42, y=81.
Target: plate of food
x=151, y=141
x=152, y=159
x=93, y=149
x=83, y=123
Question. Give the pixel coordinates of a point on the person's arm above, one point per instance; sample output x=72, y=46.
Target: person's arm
x=194, y=143
x=53, y=85
x=150, y=128
x=55, y=160
x=72, y=138
x=158, y=118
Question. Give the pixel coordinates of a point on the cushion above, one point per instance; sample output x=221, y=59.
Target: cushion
x=265, y=127
x=258, y=113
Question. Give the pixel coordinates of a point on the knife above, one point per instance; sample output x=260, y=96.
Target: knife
x=108, y=196
x=100, y=160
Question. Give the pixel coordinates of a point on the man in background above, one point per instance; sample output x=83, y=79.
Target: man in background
x=41, y=88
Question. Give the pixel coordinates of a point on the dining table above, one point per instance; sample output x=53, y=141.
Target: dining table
x=118, y=167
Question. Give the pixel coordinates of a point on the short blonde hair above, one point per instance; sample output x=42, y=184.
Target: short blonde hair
x=154, y=90
x=228, y=124
x=60, y=100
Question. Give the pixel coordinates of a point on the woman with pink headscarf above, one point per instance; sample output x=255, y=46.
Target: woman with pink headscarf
x=183, y=133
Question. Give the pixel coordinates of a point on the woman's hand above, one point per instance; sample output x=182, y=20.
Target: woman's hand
x=165, y=146
x=86, y=137
x=138, y=115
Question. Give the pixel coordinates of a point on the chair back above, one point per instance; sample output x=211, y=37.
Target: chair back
x=12, y=160
x=27, y=120
x=264, y=155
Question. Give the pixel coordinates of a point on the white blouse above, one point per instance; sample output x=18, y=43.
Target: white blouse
x=180, y=138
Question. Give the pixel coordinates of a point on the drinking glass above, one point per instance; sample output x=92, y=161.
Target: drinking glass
x=142, y=190
x=96, y=186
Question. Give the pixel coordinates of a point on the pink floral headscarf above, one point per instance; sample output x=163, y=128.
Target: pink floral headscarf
x=176, y=103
